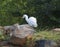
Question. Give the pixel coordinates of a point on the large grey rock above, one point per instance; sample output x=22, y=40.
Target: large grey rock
x=19, y=31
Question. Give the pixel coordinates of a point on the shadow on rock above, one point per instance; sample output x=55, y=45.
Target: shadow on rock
x=45, y=43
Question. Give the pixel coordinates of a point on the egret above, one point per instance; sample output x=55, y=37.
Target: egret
x=32, y=21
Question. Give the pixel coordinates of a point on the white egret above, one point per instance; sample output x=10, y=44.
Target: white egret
x=32, y=21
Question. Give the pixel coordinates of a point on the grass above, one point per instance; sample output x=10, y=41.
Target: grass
x=46, y=35
x=50, y=35
x=1, y=35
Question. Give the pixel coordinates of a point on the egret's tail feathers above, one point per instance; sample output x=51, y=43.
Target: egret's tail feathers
x=36, y=25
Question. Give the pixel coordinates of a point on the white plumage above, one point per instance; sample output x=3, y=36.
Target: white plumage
x=31, y=21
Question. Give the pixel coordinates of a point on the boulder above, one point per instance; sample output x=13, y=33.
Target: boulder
x=56, y=29
x=45, y=43
x=19, y=33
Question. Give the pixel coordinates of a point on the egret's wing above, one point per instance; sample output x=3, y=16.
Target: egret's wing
x=32, y=21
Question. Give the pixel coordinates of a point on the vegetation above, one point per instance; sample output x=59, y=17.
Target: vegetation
x=46, y=11
x=48, y=35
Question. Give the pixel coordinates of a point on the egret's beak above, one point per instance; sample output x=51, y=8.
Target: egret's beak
x=22, y=17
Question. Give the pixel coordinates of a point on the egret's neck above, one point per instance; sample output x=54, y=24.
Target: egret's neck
x=26, y=18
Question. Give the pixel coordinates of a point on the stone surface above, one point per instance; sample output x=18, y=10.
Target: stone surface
x=45, y=43
x=56, y=29
x=19, y=33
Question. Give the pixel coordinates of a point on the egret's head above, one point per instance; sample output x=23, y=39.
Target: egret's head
x=24, y=16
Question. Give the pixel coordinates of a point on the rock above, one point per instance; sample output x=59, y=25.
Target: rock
x=45, y=43
x=19, y=33
x=23, y=31
x=1, y=27
x=5, y=46
x=18, y=41
x=3, y=43
x=58, y=43
x=56, y=29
